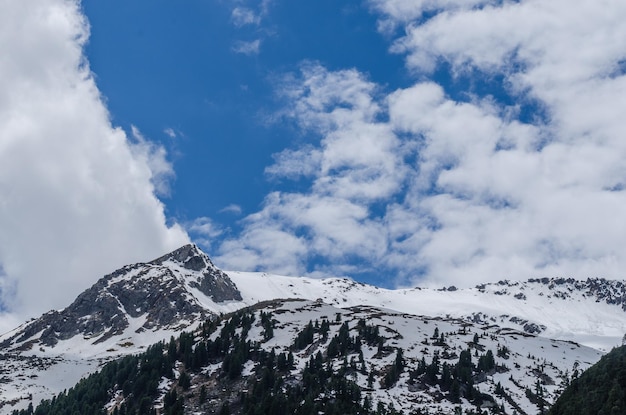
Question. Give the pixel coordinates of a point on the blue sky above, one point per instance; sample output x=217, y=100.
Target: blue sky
x=164, y=67
x=397, y=142
x=175, y=73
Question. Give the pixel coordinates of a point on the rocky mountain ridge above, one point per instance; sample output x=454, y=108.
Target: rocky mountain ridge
x=611, y=292
x=157, y=291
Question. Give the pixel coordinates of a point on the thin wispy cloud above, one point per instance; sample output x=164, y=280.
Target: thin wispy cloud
x=251, y=14
x=233, y=209
x=242, y=16
x=248, y=48
x=204, y=231
x=170, y=132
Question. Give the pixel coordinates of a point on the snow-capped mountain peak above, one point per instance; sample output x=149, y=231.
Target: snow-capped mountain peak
x=189, y=256
x=172, y=292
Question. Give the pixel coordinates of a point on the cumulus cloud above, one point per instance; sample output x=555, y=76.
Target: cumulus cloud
x=396, y=13
x=293, y=164
x=356, y=164
x=538, y=199
x=264, y=245
x=155, y=157
x=426, y=186
x=77, y=196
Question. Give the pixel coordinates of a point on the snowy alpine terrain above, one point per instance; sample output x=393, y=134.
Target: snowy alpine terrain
x=557, y=325
x=521, y=360
x=588, y=312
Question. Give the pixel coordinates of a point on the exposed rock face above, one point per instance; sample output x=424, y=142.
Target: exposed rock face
x=189, y=256
x=214, y=282
x=156, y=293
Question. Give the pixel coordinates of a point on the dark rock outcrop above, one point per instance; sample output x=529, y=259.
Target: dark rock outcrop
x=214, y=283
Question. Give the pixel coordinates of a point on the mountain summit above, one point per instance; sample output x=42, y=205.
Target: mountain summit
x=170, y=292
x=213, y=283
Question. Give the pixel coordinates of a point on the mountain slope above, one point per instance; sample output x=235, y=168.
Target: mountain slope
x=309, y=357
x=140, y=304
x=170, y=293
x=601, y=390
x=122, y=313
x=590, y=312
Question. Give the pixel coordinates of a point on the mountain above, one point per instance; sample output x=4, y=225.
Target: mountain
x=170, y=293
x=591, y=312
x=122, y=313
x=138, y=305
x=307, y=357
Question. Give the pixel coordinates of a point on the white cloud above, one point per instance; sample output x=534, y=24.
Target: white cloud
x=399, y=12
x=555, y=175
x=203, y=231
x=293, y=164
x=77, y=198
x=358, y=157
x=419, y=185
x=291, y=228
x=155, y=157
x=263, y=245
x=357, y=163
x=170, y=132
x=242, y=16
x=204, y=226
x=250, y=14
x=249, y=48
x=232, y=208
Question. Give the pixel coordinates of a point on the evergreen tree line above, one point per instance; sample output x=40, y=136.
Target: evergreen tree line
x=456, y=379
x=600, y=390
x=323, y=389
x=136, y=376
x=323, y=386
